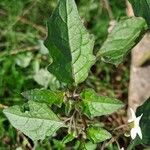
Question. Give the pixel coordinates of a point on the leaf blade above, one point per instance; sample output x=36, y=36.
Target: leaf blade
x=97, y=135
x=69, y=43
x=94, y=105
x=121, y=40
x=37, y=123
x=45, y=96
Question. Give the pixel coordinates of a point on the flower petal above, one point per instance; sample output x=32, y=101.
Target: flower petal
x=139, y=132
x=133, y=116
x=137, y=120
x=133, y=133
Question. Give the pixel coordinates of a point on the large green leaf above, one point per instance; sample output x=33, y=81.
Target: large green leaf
x=122, y=39
x=37, y=122
x=46, y=96
x=94, y=105
x=97, y=135
x=69, y=44
x=142, y=8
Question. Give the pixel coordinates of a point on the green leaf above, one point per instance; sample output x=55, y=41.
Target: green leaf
x=122, y=39
x=37, y=122
x=45, y=96
x=97, y=135
x=145, y=121
x=68, y=138
x=86, y=146
x=142, y=9
x=69, y=44
x=89, y=146
x=58, y=145
x=94, y=105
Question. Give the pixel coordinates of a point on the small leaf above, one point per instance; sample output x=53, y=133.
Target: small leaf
x=58, y=145
x=89, y=146
x=45, y=96
x=37, y=123
x=69, y=44
x=142, y=9
x=94, y=105
x=97, y=135
x=122, y=39
x=68, y=138
x=86, y=146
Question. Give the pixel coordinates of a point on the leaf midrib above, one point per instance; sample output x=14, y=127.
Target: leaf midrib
x=68, y=34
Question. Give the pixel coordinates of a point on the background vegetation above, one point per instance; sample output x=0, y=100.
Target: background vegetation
x=23, y=62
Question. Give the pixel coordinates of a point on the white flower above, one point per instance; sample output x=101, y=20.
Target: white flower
x=134, y=122
x=122, y=148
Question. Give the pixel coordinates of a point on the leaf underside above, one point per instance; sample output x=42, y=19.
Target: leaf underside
x=69, y=44
x=122, y=39
x=37, y=123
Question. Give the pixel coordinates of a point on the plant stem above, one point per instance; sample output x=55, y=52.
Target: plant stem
x=106, y=2
x=3, y=106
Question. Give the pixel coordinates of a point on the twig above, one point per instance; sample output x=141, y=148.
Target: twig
x=37, y=27
x=117, y=144
x=112, y=140
x=103, y=146
x=26, y=11
x=20, y=134
x=106, y=144
x=18, y=17
x=31, y=48
x=22, y=50
x=84, y=122
x=72, y=117
x=3, y=106
x=106, y=3
x=129, y=9
x=121, y=126
x=26, y=21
